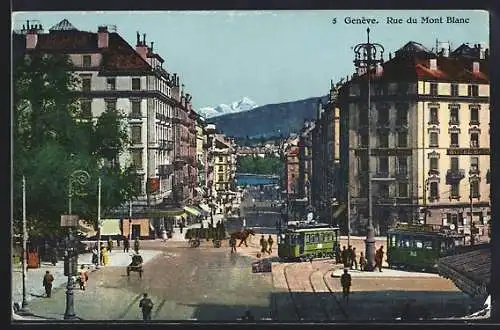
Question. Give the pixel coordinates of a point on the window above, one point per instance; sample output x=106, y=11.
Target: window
x=434, y=165
x=427, y=245
x=402, y=117
x=433, y=139
x=454, y=140
x=221, y=159
x=402, y=189
x=383, y=116
x=136, y=84
x=86, y=108
x=136, y=135
x=86, y=61
x=454, y=90
x=454, y=116
x=383, y=190
x=220, y=177
x=474, y=189
x=402, y=165
x=363, y=118
x=455, y=191
x=403, y=88
x=434, y=116
x=111, y=105
x=383, y=140
x=383, y=165
x=137, y=159
x=111, y=84
x=402, y=139
x=474, y=140
x=221, y=168
x=418, y=244
x=136, y=109
x=140, y=185
x=474, y=116
x=363, y=163
x=473, y=90
x=393, y=240
x=434, y=190
x=433, y=89
x=86, y=83
x=474, y=164
x=454, y=163
x=363, y=140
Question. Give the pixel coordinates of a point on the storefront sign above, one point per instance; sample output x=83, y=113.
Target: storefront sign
x=468, y=151
x=391, y=152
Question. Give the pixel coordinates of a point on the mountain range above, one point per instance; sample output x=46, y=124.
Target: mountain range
x=269, y=120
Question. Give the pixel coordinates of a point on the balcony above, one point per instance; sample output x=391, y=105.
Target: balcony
x=454, y=121
x=474, y=122
x=135, y=116
x=433, y=121
x=454, y=176
x=402, y=173
x=474, y=170
x=474, y=144
x=433, y=172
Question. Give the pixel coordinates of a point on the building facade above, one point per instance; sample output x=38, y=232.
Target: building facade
x=429, y=139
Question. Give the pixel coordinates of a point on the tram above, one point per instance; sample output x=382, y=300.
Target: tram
x=420, y=246
x=305, y=240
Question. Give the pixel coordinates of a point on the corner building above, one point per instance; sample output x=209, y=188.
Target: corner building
x=429, y=138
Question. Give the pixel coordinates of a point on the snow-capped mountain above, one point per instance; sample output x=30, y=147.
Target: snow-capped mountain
x=244, y=104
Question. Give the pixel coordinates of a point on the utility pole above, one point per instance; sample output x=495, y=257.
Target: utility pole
x=130, y=221
x=369, y=61
x=24, y=304
x=98, y=222
x=348, y=214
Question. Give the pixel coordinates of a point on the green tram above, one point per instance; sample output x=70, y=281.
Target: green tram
x=303, y=241
x=420, y=246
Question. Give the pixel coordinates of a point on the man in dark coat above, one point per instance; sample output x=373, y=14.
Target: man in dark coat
x=126, y=244
x=379, y=258
x=181, y=225
x=349, y=256
x=270, y=242
x=47, y=283
x=136, y=245
x=354, y=261
x=263, y=244
x=345, y=256
x=146, y=305
x=346, y=282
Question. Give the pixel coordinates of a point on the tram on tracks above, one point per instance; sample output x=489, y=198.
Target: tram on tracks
x=420, y=246
x=304, y=240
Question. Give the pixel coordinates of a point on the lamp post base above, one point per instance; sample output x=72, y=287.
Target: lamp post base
x=370, y=248
x=69, y=314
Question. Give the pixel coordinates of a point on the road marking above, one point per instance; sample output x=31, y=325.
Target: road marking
x=159, y=307
x=129, y=307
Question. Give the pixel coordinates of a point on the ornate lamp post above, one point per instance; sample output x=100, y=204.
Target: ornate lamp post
x=365, y=59
x=78, y=179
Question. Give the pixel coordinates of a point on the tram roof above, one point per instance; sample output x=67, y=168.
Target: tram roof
x=423, y=232
x=310, y=227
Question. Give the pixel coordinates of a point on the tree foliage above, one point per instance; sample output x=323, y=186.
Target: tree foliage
x=50, y=143
x=269, y=164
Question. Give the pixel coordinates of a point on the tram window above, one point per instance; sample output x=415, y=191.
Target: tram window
x=443, y=247
x=418, y=244
x=393, y=240
x=404, y=242
x=427, y=245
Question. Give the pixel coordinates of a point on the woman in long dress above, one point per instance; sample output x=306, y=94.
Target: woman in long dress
x=105, y=256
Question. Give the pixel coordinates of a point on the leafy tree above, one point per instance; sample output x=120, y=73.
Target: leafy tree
x=257, y=165
x=50, y=143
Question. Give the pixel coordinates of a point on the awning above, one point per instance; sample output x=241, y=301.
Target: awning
x=110, y=227
x=164, y=213
x=205, y=208
x=339, y=211
x=191, y=210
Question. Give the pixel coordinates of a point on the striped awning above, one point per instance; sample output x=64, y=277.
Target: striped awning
x=191, y=210
x=339, y=211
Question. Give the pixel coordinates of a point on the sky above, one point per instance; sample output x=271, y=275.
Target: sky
x=269, y=56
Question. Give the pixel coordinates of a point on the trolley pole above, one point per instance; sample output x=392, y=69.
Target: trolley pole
x=367, y=62
x=130, y=221
x=24, y=304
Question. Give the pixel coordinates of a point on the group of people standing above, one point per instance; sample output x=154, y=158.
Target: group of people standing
x=348, y=257
x=266, y=246
x=103, y=257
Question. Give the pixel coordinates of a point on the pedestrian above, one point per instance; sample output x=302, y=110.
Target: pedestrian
x=181, y=225
x=126, y=244
x=164, y=235
x=110, y=245
x=83, y=278
x=146, y=305
x=101, y=255
x=47, y=283
x=263, y=244
x=344, y=256
x=232, y=244
x=353, y=258
x=346, y=282
x=349, y=256
x=136, y=245
x=95, y=258
x=53, y=255
x=379, y=258
x=362, y=262
x=336, y=251
x=118, y=239
x=105, y=256
x=270, y=242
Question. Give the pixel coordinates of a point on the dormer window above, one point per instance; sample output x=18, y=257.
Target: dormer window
x=433, y=64
x=136, y=84
x=473, y=90
x=86, y=60
x=454, y=89
x=433, y=89
x=111, y=84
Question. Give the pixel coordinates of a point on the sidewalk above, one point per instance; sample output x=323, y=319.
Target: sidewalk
x=386, y=272
x=34, y=277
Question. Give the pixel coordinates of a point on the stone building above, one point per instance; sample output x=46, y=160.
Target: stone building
x=429, y=138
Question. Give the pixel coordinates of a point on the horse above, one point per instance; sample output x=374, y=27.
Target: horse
x=243, y=235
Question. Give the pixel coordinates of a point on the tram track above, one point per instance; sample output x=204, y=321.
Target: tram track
x=322, y=290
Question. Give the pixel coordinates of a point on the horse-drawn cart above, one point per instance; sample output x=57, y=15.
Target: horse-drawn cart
x=135, y=265
x=195, y=235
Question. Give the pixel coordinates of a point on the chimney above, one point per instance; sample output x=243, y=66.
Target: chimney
x=102, y=37
x=31, y=38
x=152, y=44
x=141, y=47
x=486, y=53
x=138, y=43
x=433, y=64
x=475, y=67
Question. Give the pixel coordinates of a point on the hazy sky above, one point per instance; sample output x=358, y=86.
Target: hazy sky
x=268, y=56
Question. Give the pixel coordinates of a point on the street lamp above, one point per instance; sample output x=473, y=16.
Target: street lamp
x=77, y=179
x=24, y=304
x=367, y=62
